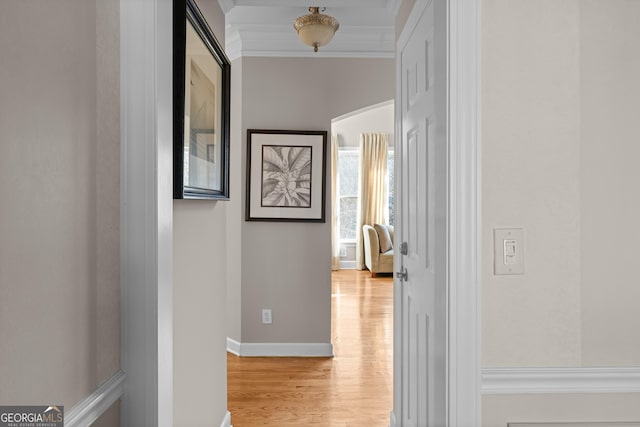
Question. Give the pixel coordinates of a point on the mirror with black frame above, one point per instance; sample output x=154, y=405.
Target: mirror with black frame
x=201, y=86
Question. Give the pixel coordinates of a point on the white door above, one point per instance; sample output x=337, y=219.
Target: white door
x=421, y=351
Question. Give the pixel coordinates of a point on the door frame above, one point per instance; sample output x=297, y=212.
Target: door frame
x=146, y=219
x=463, y=217
x=146, y=212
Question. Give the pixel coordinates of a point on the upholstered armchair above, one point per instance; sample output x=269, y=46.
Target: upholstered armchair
x=378, y=248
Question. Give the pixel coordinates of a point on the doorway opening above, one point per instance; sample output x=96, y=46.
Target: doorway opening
x=361, y=300
x=348, y=197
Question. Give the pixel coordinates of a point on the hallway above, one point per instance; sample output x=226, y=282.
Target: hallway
x=353, y=389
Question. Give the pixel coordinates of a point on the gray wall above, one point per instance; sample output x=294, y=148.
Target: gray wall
x=235, y=214
x=59, y=216
x=199, y=297
x=560, y=101
x=287, y=266
x=403, y=14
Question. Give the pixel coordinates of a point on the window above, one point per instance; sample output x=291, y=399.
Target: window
x=348, y=166
x=390, y=174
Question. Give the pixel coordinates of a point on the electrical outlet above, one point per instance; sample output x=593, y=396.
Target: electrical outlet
x=266, y=316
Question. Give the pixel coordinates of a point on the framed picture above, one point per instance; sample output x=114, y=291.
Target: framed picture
x=286, y=173
x=201, y=97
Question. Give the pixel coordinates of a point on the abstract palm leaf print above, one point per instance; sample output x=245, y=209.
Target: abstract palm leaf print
x=286, y=176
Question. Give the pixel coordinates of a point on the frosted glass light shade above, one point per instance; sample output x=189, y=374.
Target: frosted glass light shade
x=316, y=29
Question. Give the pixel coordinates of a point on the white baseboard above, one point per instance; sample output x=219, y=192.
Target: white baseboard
x=560, y=380
x=226, y=422
x=392, y=419
x=89, y=409
x=233, y=346
x=279, y=349
x=347, y=265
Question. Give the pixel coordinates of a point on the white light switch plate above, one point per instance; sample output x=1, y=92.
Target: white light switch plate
x=266, y=316
x=508, y=251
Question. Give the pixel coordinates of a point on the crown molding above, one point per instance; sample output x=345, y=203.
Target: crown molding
x=277, y=40
x=265, y=28
x=305, y=4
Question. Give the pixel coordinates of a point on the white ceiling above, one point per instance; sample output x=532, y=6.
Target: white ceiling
x=265, y=28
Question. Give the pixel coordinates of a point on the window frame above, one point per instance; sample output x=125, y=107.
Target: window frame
x=356, y=151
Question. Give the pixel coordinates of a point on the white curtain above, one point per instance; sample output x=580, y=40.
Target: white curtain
x=335, y=206
x=374, y=197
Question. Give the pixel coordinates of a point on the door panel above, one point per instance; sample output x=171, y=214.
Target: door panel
x=422, y=209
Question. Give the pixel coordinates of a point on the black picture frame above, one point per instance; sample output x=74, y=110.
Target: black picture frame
x=286, y=175
x=195, y=176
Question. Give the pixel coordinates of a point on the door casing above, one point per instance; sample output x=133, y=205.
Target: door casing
x=463, y=215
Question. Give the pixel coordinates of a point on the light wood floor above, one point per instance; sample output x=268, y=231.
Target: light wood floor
x=353, y=389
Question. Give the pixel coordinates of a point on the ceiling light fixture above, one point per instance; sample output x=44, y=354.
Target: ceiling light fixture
x=316, y=29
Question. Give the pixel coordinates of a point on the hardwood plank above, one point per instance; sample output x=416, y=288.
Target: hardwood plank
x=354, y=388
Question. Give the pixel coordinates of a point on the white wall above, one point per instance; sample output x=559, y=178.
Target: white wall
x=531, y=179
x=375, y=118
x=560, y=97
x=287, y=266
x=497, y=411
x=610, y=197
x=59, y=216
x=199, y=296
